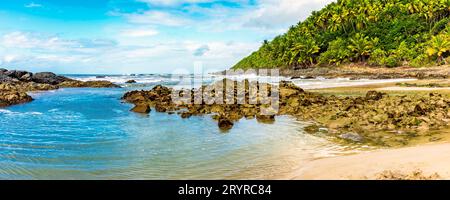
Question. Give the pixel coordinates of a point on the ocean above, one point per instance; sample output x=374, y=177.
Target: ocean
x=87, y=133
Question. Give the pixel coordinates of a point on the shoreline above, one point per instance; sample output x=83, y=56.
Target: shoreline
x=422, y=162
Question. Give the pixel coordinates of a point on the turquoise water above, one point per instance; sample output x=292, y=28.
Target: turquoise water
x=90, y=134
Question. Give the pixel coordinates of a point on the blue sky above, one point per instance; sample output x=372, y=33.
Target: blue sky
x=140, y=36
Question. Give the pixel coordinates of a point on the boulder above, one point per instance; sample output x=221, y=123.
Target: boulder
x=48, y=78
x=131, y=81
x=5, y=78
x=225, y=123
x=8, y=98
x=26, y=77
x=3, y=70
x=265, y=118
x=141, y=108
x=354, y=137
x=374, y=95
x=15, y=73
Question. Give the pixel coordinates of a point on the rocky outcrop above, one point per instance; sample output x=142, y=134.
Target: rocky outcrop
x=14, y=84
x=131, y=81
x=49, y=78
x=375, y=118
x=8, y=97
x=91, y=84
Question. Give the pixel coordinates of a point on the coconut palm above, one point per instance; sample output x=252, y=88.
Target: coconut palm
x=361, y=46
x=439, y=45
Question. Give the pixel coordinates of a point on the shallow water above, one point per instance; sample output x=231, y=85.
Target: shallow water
x=90, y=134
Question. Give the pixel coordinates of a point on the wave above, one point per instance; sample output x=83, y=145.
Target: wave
x=9, y=112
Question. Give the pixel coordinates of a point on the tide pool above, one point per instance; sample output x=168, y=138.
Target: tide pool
x=86, y=133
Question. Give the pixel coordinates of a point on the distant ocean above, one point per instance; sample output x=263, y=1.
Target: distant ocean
x=85, y=133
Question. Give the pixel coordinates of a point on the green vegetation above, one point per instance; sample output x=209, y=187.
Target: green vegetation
x=377, y=32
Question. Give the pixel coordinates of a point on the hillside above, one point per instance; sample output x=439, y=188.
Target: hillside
x=375, y=32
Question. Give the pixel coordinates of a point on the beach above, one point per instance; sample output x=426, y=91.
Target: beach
x=428, y=161
x=82, y=127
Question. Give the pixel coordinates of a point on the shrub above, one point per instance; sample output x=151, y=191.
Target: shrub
x=336, y=53
x=392, y=61
x=378, y=57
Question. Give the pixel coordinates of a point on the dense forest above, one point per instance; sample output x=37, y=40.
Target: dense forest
x=374, y=32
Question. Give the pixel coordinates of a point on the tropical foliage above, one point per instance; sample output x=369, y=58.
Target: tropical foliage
x=377, y=32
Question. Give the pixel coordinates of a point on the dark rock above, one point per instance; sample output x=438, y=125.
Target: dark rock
x=3, y=70
x=100, y=77
x=374, y=95
x=5, y=78
x=185, y=115
x=48, y=78
x=26, y=77
x=225, y=123
x=354, y=137
x=141, y=108
x=131, y=81
x=16, y=74
x=265, y=118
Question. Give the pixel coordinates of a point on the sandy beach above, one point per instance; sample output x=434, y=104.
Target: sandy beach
x=430, y=161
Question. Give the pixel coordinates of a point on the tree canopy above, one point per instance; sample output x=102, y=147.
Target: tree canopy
x=377, y=32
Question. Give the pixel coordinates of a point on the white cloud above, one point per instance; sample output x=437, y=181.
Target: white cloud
x=33, y=5
x=273, y=13
x=172, y=2
x=139, y=33
x=157, y=18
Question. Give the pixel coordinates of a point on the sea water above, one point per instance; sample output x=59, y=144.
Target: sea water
x=86, y=133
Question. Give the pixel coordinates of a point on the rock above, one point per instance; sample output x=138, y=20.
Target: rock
x=3, y=70
x=49, y=78
x=185, y=115
x=142, y=108
x=374, y=95
x=8, y=98
x=311, y=129
x=100, y=77
x=89, y=84
x=225, y=123
x=16, y=73
x=354, y=137
x=265, y=118
x=26, y=77
x=131, y=81
x=4, y=78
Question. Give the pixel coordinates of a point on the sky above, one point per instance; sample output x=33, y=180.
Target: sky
x=140, y=36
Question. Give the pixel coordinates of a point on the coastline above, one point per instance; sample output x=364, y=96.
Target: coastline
x=391, y=167
x=427, y=161
x=423, y=160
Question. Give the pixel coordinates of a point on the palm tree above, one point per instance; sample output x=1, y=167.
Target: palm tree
x=302, y=52
x=361, y=46
x=439, y=45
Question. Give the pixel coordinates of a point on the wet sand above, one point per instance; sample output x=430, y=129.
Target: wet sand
x=430, y=161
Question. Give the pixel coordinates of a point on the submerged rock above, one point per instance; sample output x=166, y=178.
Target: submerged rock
x=354, y=137
x=225, y=123
x=142, y=108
